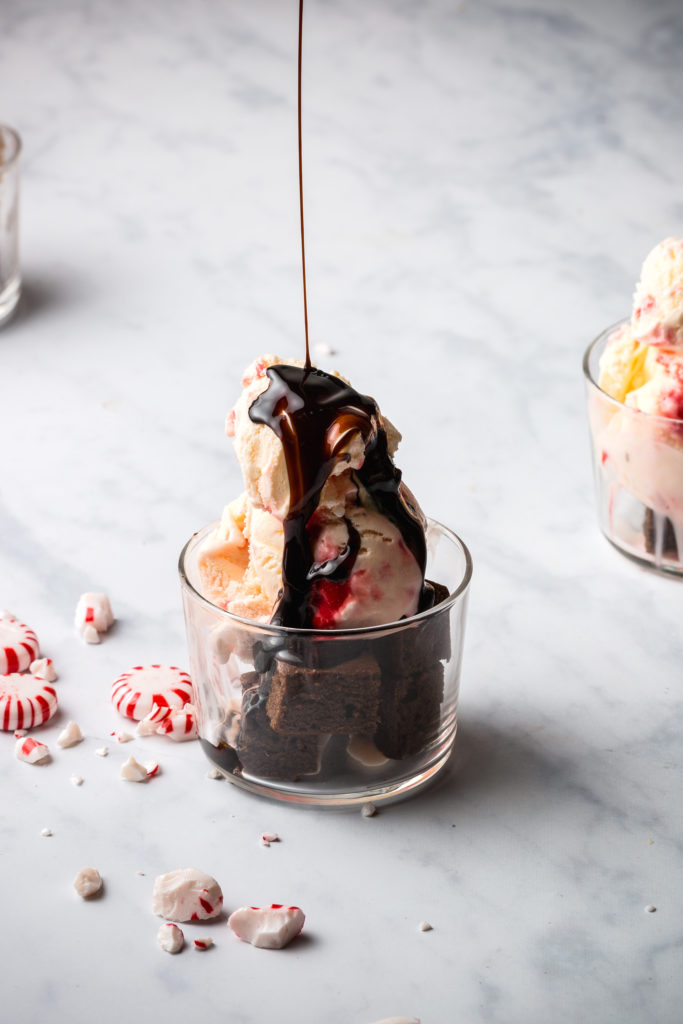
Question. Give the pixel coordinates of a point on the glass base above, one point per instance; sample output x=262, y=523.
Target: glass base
x=311, y=795
x=9, y=299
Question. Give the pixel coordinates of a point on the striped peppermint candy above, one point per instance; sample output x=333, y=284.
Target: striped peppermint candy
x=136, y=692
x=25, y=701
x=18, y=645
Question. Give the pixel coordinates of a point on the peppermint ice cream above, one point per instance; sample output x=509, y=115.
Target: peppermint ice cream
x=364, y=564
x=638, y=436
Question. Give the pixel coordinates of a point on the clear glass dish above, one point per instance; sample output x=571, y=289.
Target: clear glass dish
x=638, y=467
x=333, y=717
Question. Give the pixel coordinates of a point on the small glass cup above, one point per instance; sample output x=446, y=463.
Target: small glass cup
x=10, y=279
x=330, y=717
x=638, y=464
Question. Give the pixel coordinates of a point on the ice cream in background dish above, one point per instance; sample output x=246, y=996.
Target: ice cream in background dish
x=638, y=437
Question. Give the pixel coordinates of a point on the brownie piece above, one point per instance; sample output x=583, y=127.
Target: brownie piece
x=341, y=699
x=669, y=546
x=409, y=710
x=264, y=752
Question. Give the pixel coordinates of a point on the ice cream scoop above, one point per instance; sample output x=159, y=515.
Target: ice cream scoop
x=326, y=535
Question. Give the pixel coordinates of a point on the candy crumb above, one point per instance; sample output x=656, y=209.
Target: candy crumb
x=133, y=771
x=90, y=635
x=368, y=810
x=70, y=735
x=88, y=883
x=76, y=780
x=170, y=937
x=213, y=773
x=203, y=944
x=46, y=832
x=102, y=751
x=425, y=926
x=20, y=733
x=269, y=837
x=649, y=909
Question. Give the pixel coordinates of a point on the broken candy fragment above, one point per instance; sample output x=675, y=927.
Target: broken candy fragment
x=69, y=736
x=270, y=927
x=31, y=750
x=170, y=937
x=93, y=611
x=187, y=895
x=88, y=882
x=44, y=668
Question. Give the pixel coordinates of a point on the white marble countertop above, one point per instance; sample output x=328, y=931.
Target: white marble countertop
x=483, y=180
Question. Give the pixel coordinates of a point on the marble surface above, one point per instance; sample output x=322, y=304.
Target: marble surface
x=482, y=182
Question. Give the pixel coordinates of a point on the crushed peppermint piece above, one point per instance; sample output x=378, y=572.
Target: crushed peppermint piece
x=170, y=937
x=44, y=668
x=88, y=883
x=152, y=768
x=20, y=733
x=368, y=810
x=122, y=737
x=187, y=894
x=70, y=735
x=93, y=611
x=323, y=349
x=649, y=909
x=271, y=927
x=213, y=773
x=90, y=635
x=203, y=944
x=32, y=751
x=102, y=751
x=269, y=837
x=425, y=926
x=133, y=771
x=76, y=780
x=46, y=832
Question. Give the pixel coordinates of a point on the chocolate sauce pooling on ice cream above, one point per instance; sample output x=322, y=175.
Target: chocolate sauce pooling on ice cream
x=314, y=414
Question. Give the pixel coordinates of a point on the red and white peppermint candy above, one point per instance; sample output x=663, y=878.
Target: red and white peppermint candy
x=93, y=610
x=25, y=701
x=270, y=927
x=136, y=692
x=187, y=894
x=31, y=750
x=18, y=645
x=179, y=725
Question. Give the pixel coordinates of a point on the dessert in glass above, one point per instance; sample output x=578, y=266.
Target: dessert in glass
x=634, y=379
x=325, y=613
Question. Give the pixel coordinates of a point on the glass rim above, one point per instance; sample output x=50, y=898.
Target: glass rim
x=653, y=416
x=5, y=164
x=355, y=631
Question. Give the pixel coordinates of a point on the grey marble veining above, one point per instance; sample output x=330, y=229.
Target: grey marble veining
x=482, y=181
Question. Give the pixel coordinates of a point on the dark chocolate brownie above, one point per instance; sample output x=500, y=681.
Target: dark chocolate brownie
x=341, y=699
x=409, y=710
x=669, y=546
x=264, y=752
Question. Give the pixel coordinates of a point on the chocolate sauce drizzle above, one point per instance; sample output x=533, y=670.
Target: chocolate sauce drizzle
x=315, y=414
